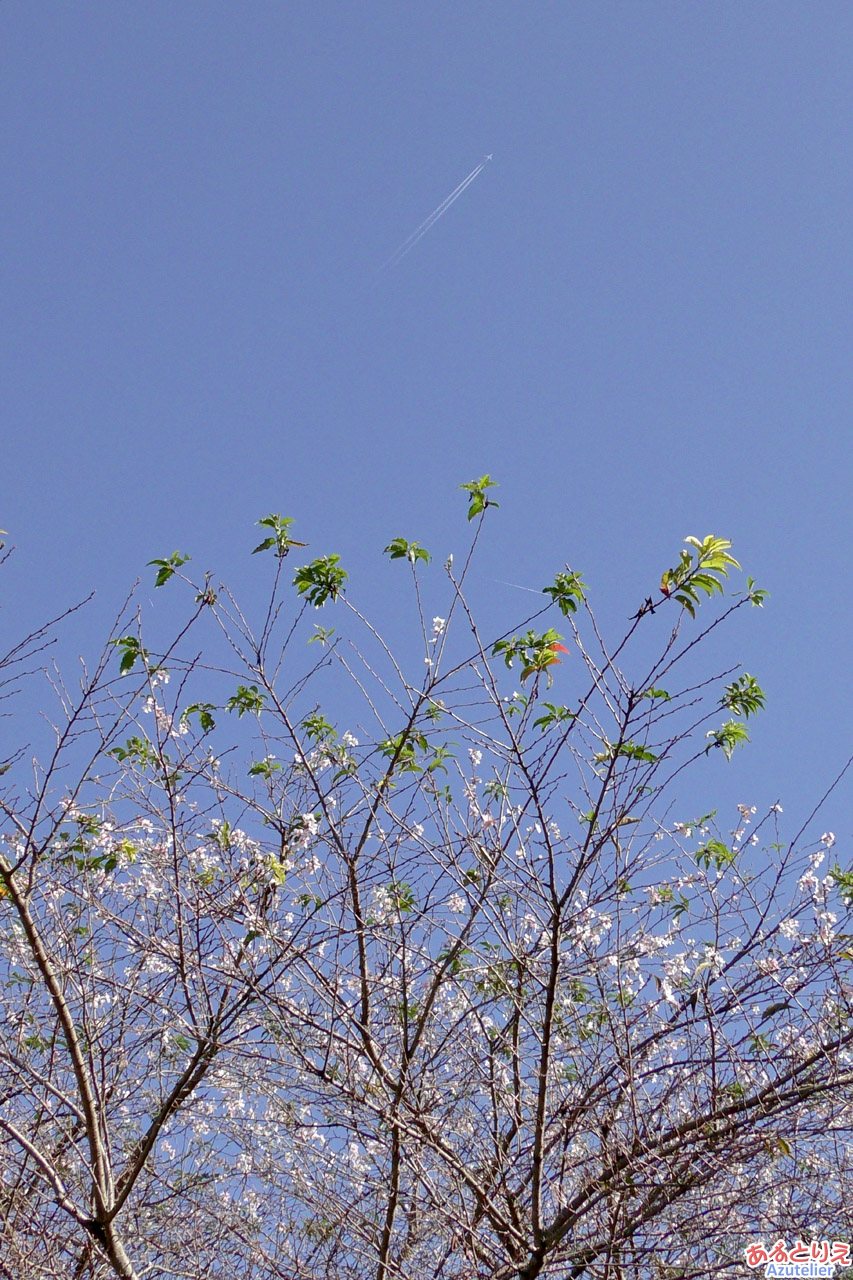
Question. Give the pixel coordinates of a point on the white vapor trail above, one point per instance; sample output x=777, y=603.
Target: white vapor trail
x=420, y=232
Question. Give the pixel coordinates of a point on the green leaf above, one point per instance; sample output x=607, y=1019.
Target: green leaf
x=204, y=712
x=516, y=705
x=402, y=895
x=566, y=592
x=727, y=737
x=402, y=749
x=279, y=539
x=277, y=869
x=844, y=882
x=553, y=715
x=135, y=750
x=537, y=653
x=322, y=634
x=455, y=961
x=263, y=768
x=755, y=594
x=166, y=568
x=321, y=580
x=439, y=755
x=400, y=549
x=632, y=750
x=247, y=698
x=744, y=696
x=208, y=595
x=478, y=499
x=318, y=729
x=131, y=651
x=715, y=852
x=698, y=572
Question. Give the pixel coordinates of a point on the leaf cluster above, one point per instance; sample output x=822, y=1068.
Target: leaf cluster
x=321, y=580
x=279, y=540
x=478, y=498
x=729, y=735
x=537, y=652
x=400, y=549
x=744, y=696
x=698, y=572
x=168, y=567
x=566, y=592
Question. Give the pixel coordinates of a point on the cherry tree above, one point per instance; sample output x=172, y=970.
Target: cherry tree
x=315, y=967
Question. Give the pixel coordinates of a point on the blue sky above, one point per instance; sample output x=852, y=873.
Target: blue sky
x=638, y=317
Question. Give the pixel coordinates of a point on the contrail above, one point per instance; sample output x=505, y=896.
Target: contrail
x=517, y=586
x=436, y=214
x=424, y=227
x=420, y=232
